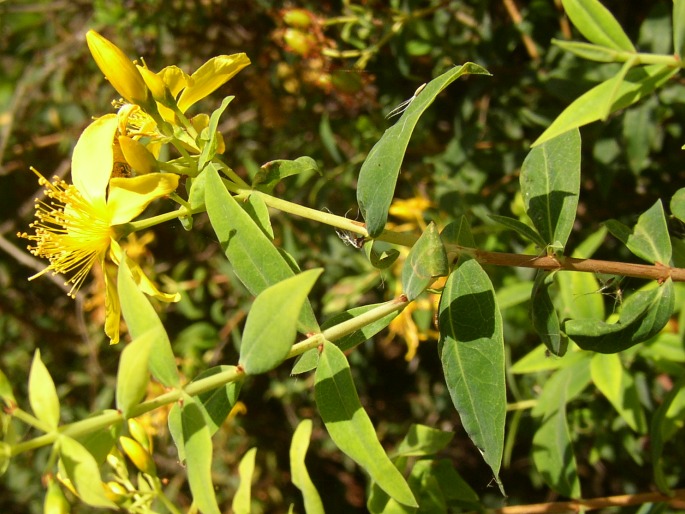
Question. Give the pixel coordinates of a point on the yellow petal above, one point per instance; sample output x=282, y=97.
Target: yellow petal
x=118, y=69
x=154, y=83
x=210, y=76
x=128, y=197
x=175, y=79
x=138, y=156
x=112, y=305
x=91, y=163
x=146, y=285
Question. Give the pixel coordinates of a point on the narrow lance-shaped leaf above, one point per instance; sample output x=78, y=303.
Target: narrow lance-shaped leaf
x=618, y=385
x=524, y=230
x=254, y=258
x=298, y=469
x=132, y=376
x=427, y=260
x=679, y=27
x=553, y=453
x=42, y=393
x=83, y=471
x=550, y=183
x=274, y=171
x=649, y=239
x=198, y=451
x=217, y=403
x=141, y=318
x=271, y=325
x=590, y=107
x=643, y=315
x=241, y=499
x=597, y=24
x=378, y=175
x=472, y=355
x=350, y=427
x=211, y=135
x=544, y=315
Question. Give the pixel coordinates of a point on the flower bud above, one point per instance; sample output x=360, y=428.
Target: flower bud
x=115, y=492
x=300, y=43
x=138, y=455
x=298, y=18
x=119, y=70
x=137, y=156
x=55, y=502
x=156, y=85
x=138, y=433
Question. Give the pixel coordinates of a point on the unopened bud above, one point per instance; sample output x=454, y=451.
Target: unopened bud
x=138, y=455
x=55, y=502
x=138, y=433
x=119, y=70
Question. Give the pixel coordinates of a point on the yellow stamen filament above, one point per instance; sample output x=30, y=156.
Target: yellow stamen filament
x=69, y=231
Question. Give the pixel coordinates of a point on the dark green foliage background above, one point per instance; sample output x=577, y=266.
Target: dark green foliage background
x=465, y=156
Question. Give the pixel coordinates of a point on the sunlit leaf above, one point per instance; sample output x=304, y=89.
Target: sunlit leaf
x=42, y=393
x=427, y=260
x=133, y=376
x=271, y=325
x=422, y=440
x=350, y=427
x=217, y=403
x=83, y=472
x=378, y=175
x=597, y=24
x=649, y=239
x=242, y=498
x=298, y=469
x=141, y=318
x=198, y=452
x=255, y=260
x=273, y=172
x=618, y=385
x=544, y=315
x=550, y=183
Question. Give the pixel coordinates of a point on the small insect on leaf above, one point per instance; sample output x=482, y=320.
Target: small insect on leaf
x=350, y=238
x=404, y=105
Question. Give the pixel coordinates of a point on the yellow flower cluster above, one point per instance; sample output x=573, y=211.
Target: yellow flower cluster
x=79, y=225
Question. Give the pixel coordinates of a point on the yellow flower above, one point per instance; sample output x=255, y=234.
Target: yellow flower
x=78, y=228
x=119, y=70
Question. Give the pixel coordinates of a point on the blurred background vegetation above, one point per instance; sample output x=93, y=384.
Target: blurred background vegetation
x=321, y=83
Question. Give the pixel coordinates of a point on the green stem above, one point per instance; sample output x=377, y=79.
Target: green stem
x=30, y=420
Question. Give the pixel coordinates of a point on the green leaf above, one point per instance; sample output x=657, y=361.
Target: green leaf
x=679, y=27
x=175, y=424
x=271, y=326
x=242, y=498
x=614, y=381
x=641, y=131
x=378, y=175
x=569, y=380
x=597, y=24
x=524, y=230
x=649, y=239
x=590, y=107
x=6, y=393
x=308, y=360
x=210, y=134
x=588, y=51
x=459, y=233
x=259, y=212
x=83, y=471
x=5, y=456
x=472, y=355
x=197, y=442
x=133, y=377
x=658, y=429
x=677, y=204
x=539, y=359
x=643, y=315
x=217, y=403
x=453, y=485
x=298, y=469
x=141, y=318
x=544, y=315
x=427, y=260
x=255, y=260
x=550, y=182
x=553, y=453
x=422, y=440
x=380, y=259
x=350, y=427
x=42, y=393
x=273, y=172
